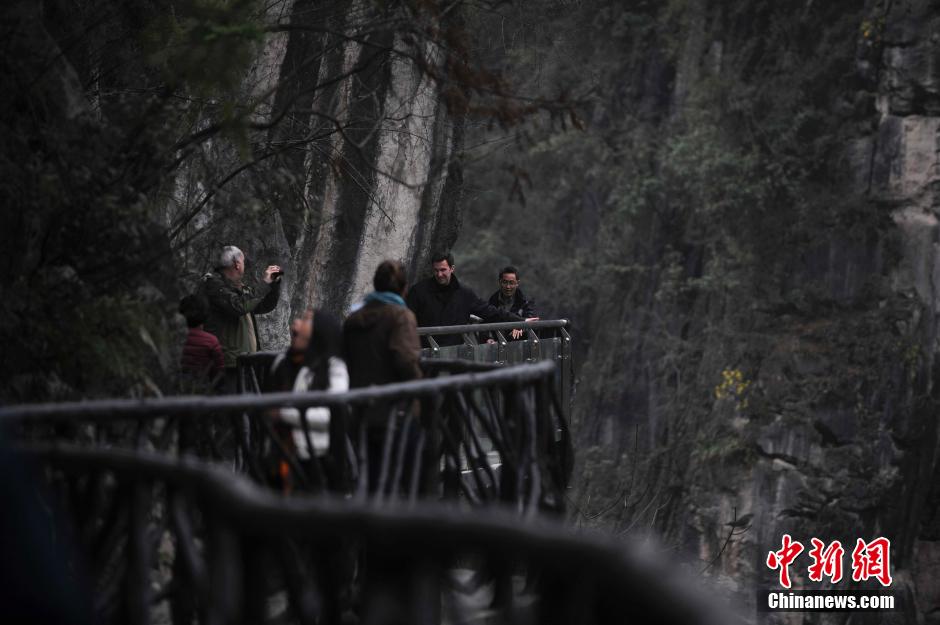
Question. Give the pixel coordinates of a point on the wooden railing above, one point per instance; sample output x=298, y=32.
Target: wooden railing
x=163, y=539
x=499, y=435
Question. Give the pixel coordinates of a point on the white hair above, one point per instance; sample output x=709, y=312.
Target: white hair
x=229, y=255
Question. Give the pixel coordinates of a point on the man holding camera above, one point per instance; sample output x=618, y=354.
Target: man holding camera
x=233, y=306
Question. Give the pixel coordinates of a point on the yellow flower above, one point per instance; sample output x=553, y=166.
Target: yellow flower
x=734, y=386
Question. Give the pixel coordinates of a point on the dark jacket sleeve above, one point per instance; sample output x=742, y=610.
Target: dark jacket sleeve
x=234, y=303
x=405, y=346
x=269, y=301
x=486, y=311
x=413, y=299
x=528, y=309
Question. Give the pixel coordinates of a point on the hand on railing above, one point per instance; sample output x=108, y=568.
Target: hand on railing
x=517, y=333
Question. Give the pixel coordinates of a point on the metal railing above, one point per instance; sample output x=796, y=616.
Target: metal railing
x=491, y=343
x=179, y=540
x=492, y=436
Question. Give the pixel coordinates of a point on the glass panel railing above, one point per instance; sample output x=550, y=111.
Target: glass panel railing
x=492, y=343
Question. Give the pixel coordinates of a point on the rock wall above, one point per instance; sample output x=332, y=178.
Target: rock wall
x=745, y=237
x=845, y=444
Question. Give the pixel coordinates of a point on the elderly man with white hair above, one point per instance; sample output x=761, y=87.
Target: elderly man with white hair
x=233, y=306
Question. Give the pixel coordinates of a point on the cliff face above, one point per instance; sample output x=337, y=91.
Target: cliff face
x=355, y=167
x=841, y=434
x=745, y=236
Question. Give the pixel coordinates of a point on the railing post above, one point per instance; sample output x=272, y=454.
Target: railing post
x=431, y=455
x=225, y=572
x=544, y=427
x=425, y=608
x=535, y=351
x=567, y=370
x=451, y=437
x=341, y=455
x=435, y=348
x=509, y=488
x=137, y=580
x=189, y=571
x=502, y=355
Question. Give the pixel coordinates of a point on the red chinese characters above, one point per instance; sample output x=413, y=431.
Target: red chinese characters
x=869, y=560
x=783, y=558
x=826, y=561
x=872, y=560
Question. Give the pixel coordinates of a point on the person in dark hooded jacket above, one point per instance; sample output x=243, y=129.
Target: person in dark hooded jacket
x=381, y=338
x=381, y=344
x=442, y=301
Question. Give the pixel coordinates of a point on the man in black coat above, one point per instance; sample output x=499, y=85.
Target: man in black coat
x=442, y=301
x=509, y=297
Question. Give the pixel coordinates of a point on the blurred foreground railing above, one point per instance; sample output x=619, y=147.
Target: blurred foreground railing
x=165, y=539
x=492, y=436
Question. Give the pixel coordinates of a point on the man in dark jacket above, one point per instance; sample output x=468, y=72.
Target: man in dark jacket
x=442, y=301
x=509, y=297
x=233, y=306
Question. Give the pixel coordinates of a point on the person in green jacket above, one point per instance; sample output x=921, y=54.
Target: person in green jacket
x=233, y=306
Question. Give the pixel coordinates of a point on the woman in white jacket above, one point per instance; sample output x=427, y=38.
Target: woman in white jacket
x=312, y=362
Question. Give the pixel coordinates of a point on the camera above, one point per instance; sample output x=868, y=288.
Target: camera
x=276, y=275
